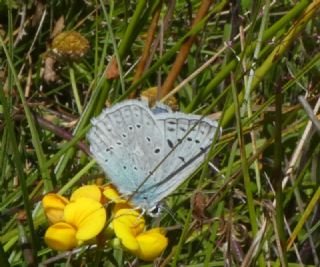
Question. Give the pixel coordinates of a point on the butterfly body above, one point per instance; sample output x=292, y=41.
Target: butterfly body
x=147, y=154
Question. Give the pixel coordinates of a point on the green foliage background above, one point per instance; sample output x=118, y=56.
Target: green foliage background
x=261, y=85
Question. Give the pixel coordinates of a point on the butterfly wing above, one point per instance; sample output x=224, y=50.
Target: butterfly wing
x=127, y=143
x=187, y=139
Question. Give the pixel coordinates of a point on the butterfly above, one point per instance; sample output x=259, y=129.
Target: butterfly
x=147, y=153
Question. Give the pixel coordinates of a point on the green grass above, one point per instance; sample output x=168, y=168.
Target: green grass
x=262, y=206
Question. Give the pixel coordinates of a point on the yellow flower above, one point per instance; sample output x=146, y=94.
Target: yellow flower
x=129, y=225
x=74, y=222
x=83, y=218
x=61, y=236
x=111, y=193
x=87, y=216
x=89, y=191
x=54, y=205
x=151, y=244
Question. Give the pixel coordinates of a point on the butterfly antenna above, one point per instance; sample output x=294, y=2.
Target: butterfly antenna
x=214, y=168
x=172, y=215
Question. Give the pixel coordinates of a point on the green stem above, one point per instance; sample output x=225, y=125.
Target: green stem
x=277, y=175
x=215, y=228
x=20, y=172
x=220, y=76
x=172, y=51
x=31, y=122
x=183, y=236
x=99, y=95
x=3, y=258
x=244, y=161
x=75, y=89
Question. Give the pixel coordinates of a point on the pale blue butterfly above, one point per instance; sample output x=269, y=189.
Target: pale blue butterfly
x=147, y=153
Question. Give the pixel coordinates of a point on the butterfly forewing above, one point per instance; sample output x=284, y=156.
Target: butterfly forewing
x=127, y=143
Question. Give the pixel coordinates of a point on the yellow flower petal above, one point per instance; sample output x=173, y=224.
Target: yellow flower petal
x=127, y=224
x=127, y=239
x=54, y=205
x=159, y=230
x=87, y=215
x=111, y=193
x=120, y=206
x=61, y=236
x=151, y=244
x=89, y=191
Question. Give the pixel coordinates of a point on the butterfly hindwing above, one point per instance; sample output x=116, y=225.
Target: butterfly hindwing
x=187, y=139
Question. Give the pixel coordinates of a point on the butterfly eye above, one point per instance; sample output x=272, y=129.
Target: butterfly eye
x=156, y=210
x=138, y=125
x=124, y=135
x=148, y=139
x=157, y=150
x=189, y=139
x=197, y=141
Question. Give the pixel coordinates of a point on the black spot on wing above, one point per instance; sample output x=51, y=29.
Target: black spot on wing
x=170, y=144
x=109, y=148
